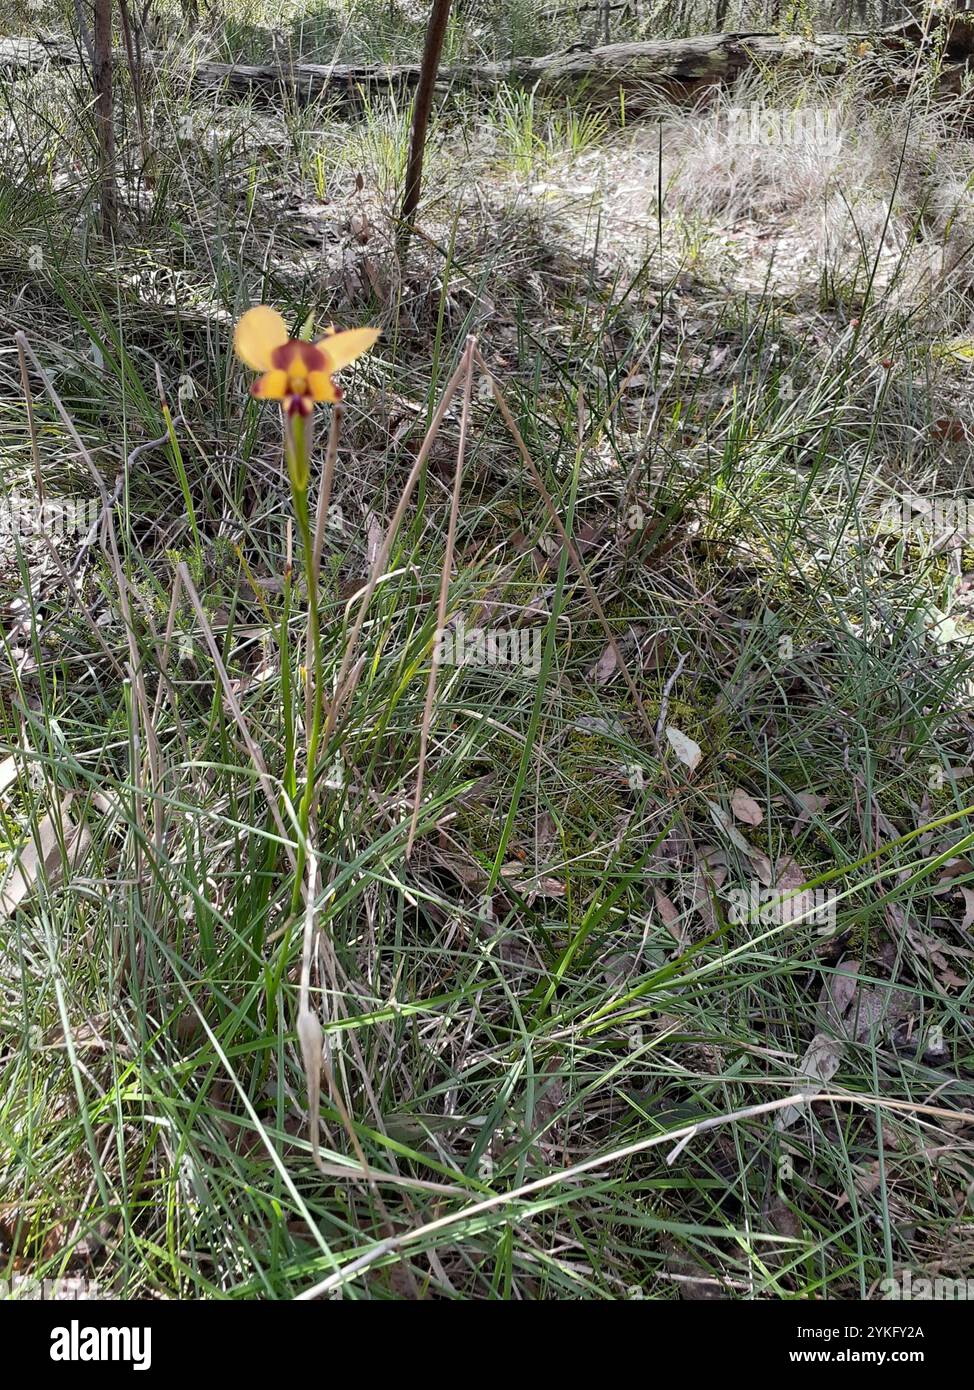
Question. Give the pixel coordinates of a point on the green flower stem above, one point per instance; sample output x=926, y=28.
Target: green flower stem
x=290, y=755
x=297, y=455
x=298, y=452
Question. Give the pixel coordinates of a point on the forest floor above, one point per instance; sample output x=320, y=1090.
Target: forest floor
x=703, y=845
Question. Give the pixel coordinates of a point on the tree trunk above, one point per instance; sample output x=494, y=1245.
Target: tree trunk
x=104, y=118
x=428, y=70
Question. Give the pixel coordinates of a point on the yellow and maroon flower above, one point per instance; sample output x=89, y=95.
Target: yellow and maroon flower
x=298, y=373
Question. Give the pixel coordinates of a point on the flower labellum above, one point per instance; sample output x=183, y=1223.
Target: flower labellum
x=295, y=372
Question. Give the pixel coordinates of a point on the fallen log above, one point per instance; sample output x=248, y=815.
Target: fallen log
x=676, y=68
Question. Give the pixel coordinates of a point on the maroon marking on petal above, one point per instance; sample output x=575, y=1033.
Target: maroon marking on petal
x=294, y=352
x=299, y=405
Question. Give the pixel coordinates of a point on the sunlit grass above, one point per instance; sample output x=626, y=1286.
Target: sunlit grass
x=552, y=976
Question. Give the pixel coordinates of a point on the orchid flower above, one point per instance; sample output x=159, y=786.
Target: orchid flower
x=298, y=374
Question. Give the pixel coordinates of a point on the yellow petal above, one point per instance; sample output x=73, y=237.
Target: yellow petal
x=322, y=387
x=259, y=332
x=343, y=348
x=272, y=386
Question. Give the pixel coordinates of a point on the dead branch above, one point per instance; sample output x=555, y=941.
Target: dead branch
x=675, y=68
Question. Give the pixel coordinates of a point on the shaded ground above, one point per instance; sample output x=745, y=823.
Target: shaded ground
x=727, y=401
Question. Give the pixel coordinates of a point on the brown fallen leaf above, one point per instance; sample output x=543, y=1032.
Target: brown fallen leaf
x=929, y=948
x=867, y=1179
x=785, y=1221
x=968, y=919
x=360, y=227
x=670, y=916
x=606, y=666
x=950, y=428
x=850, y=1009
x=837, y=994
x=954, y=868
x=812, y=805
x=727, y=827
x=745, y=808
x=545, y=830
x=704, y=884
x=789, y=874
x=762, y=867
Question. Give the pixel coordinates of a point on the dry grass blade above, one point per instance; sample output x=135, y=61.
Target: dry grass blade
x=442, y=599
x=342, y=690
x=256, y=756
x=58, y=845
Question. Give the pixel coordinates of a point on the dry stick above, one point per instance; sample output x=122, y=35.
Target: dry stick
x=164, y=682
x=35, y=452
x=163, y=654
x=104, y=116
x=76, y=596
x=152, y=745
x=139, y=702
x=324, y=494
x=255, y=754
x=683, y=1135
x=664, y=704
x=428, y=70
x=572, y=550
x=344, y=694
x=23, y=346
x=66, y=574
x=445, y=574
x=94, y=530
x=314, y=559
x=140, y=705
x=135, y=71
x=112, y=499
